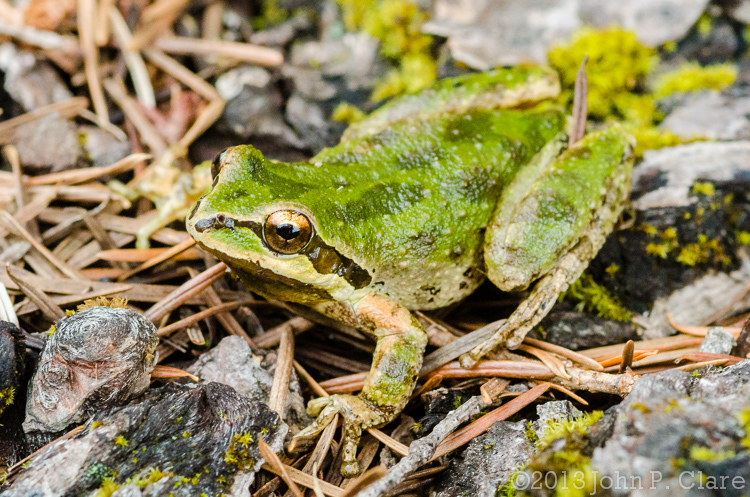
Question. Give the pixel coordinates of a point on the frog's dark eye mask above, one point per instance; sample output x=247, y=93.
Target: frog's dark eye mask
x=288, y=232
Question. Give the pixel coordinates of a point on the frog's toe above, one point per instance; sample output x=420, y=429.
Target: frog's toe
x=357, y=414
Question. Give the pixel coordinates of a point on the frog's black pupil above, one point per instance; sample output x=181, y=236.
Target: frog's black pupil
x=288, y=231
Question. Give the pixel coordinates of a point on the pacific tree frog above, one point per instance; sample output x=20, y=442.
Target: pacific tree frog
x=417, y=204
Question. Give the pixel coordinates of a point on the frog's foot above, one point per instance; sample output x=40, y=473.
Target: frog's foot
x=358, y=415
x=535, y=307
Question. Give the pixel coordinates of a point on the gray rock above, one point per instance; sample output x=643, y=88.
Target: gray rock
x=654, y=21
x=49, y=143
x=698, y=301
x=675, y=430
x=101, y=148
x=487, y=462
x=739, y=10
x=97, y=358
x=489, y=33
x=31, y=82
x=324, y=75
x=232, y=363
x=717, y=341
x=710, y=115
x=579, y=330
x=253, y=105
x=205, y=437
x=666, y=176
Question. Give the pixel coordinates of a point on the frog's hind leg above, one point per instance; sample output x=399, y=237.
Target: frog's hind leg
x=401, y=342
x=552, y=227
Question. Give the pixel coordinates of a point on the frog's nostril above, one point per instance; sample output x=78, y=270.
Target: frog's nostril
x=203, y=224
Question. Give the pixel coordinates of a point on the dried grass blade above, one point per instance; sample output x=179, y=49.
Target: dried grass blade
x=345, y=384
x=484, y=423
x=75, y=431
x=391, y=443
x=14, y=226
x=86, y=16
x=168, y=372
x=271, y=337
x=205, y=119
x=567, y=392
x=302, y=372
x=284, y=360
x=707, y=356
x=137, y=68
x=506, y=369
x=200, y=316
x=430, y=384
x=146, y=130
x=238, y=51
x=181, y=73
x=699, y=331
x=7, y=313
x=88, y=174
x=368, y=478
x=553, y=363
x=185, y=291
x=698, y=365
x=303, y=479
x=563, y=352
x=281, y=469
x=66, y=108
x=492, y=389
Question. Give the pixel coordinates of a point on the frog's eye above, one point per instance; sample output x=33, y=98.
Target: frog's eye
x=217, y=163
x=287, y=231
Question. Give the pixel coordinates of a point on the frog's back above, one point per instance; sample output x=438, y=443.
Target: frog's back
x=411, y=203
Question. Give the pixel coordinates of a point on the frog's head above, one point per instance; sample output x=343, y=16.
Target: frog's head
x=255, y=219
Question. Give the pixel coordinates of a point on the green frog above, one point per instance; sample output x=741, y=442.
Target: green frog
x=472, y=178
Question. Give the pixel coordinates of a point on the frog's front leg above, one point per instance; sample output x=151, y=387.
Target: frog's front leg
x=550, y=223
x=401, y=342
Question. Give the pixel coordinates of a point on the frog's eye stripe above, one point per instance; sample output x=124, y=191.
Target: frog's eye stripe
x=217, y=162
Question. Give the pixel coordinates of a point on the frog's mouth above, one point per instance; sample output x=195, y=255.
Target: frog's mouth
x=324, y=258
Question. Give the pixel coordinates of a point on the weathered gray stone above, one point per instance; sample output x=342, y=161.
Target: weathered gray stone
x=674, y=431
x=31, y=82
x=232, y=363
x=717, y=341
x=487, y=462
x=654, y=21
x=489, y=33
x=666, y=176
x=710, y=115
x=204, y=437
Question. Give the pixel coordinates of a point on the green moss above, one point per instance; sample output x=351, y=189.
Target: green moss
x=347, y=113
x=531, y=433
x=691, y=76
x=706, y=454
x=742, y=237
x=7, y=396
x=705, y=250
x=593, y=297
x=641, y=407
x=397, y=24
x=107, y=488
x=238, y=453
x=557, y=428
x=704, y=188
x=618, y=65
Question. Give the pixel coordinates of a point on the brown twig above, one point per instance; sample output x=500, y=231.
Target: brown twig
x=185, y=291
x=284, y=360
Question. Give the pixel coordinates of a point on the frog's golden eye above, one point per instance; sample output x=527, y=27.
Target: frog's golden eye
x=287, y=231
x=217, y=163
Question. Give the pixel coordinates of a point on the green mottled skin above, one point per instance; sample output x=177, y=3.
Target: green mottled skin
x=425, y=197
